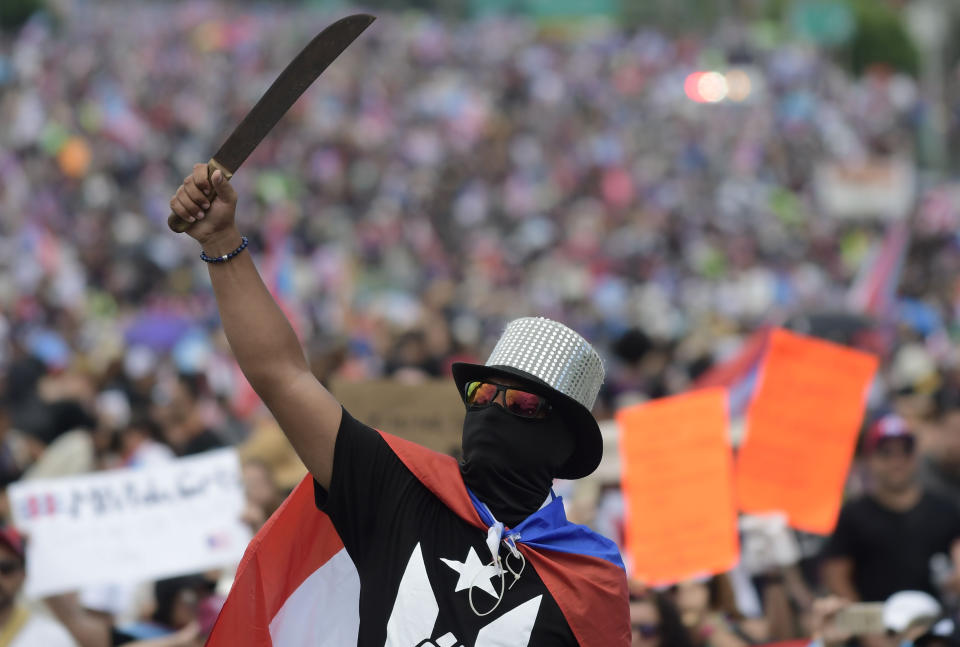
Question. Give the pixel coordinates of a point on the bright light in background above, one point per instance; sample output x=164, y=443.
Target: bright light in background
x=692, y=87
x=712, y=87
x=738, y=85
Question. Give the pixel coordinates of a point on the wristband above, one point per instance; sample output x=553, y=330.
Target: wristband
x=225, y=257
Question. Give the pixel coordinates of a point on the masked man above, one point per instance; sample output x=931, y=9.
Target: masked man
x=412, y=548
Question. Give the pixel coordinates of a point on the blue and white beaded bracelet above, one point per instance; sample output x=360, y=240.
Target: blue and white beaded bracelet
x=225, y=257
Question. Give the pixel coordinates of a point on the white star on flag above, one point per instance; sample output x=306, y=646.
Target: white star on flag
x=473, y=571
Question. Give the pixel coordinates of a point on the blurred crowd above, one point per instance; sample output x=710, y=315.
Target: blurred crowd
x=438, y=181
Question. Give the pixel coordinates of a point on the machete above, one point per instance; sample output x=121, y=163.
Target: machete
x=292, y=82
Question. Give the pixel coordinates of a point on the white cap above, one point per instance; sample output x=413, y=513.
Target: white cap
x=906, y=607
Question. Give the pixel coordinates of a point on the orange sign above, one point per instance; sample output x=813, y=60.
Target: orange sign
x=802, y=428
x=677, y=484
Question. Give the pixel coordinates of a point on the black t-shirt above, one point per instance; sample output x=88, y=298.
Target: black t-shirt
x=416, y=559
x=893, y=551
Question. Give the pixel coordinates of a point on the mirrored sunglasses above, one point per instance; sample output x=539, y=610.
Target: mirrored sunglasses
x=517, y=401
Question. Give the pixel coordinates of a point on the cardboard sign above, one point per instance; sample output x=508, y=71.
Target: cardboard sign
x=429, y=413
x=880, y=188
x=802, y=428
x=677, y=483
x=131, y=525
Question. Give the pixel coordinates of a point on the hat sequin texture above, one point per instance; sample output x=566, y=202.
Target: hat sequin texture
x=554, y=353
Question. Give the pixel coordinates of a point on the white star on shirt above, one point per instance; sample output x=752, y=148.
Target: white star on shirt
x=473, y=571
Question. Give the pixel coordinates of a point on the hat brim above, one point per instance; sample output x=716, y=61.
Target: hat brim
x=589, y=442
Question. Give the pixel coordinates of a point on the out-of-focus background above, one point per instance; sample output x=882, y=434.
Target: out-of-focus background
x=667, y=178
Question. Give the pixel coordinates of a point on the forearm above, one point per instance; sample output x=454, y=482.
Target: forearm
x=779, y=614
x=87, y=629
x=262, y=340
x=189, y=636
x=838, y=578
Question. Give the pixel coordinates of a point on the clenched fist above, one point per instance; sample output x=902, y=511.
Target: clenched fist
x=209, y=218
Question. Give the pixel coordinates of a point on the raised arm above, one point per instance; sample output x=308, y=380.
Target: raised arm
x=262, y=340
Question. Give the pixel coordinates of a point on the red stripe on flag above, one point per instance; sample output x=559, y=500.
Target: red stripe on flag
x=728, y=373
x=874, y=289
x=583, y=585
x=440, y=473
x=296, y=541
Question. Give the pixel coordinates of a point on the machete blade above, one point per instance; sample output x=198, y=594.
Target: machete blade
x=283, y=93
x=292, y=82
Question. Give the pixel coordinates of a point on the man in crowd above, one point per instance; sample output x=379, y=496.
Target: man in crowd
x=940, y=464
x=20, y=627
x=475, y=554
x=898, y=536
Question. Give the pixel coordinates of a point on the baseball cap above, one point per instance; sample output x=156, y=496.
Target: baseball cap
x=889, y=426
x=12, y=539
x=903, y=609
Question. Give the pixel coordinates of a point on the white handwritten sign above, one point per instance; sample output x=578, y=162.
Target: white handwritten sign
x=132, y=524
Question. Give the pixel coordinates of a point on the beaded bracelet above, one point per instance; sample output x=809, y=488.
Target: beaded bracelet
x=225, y=257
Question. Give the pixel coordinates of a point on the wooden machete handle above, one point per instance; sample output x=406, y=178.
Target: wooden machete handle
x=179, y=225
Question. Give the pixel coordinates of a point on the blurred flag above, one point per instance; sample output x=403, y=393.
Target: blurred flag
x=874, y=290
x=739, y=373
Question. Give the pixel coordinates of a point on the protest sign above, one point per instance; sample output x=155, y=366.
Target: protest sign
x=678, y=487
x=879, y=188
x=802, y=428
x=131, y=525
x=429, y=413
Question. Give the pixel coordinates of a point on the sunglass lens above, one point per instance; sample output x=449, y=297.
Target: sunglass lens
x=523, y=403
x=481, y=393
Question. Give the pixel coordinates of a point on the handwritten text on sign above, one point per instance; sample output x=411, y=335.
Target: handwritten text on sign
x=132, y=524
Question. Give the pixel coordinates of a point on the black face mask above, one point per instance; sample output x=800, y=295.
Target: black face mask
x=509, y=462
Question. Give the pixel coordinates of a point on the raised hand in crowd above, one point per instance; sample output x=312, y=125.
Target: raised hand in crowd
x=211, y=218
x=260, y=336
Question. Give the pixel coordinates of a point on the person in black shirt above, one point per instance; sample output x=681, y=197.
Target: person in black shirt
x=896, y=537
x=940, y=461
x=428, y=576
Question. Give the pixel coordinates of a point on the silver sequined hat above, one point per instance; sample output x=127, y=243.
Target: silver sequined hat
x=557, y=363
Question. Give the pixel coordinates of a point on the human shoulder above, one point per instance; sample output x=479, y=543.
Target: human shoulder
x=863, y=505
x=935, y=502
x=940, y=511
x=856, y=514
x=368, y=478
x=42, y=630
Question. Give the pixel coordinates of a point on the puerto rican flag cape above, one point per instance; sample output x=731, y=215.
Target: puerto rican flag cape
x=297, y=587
